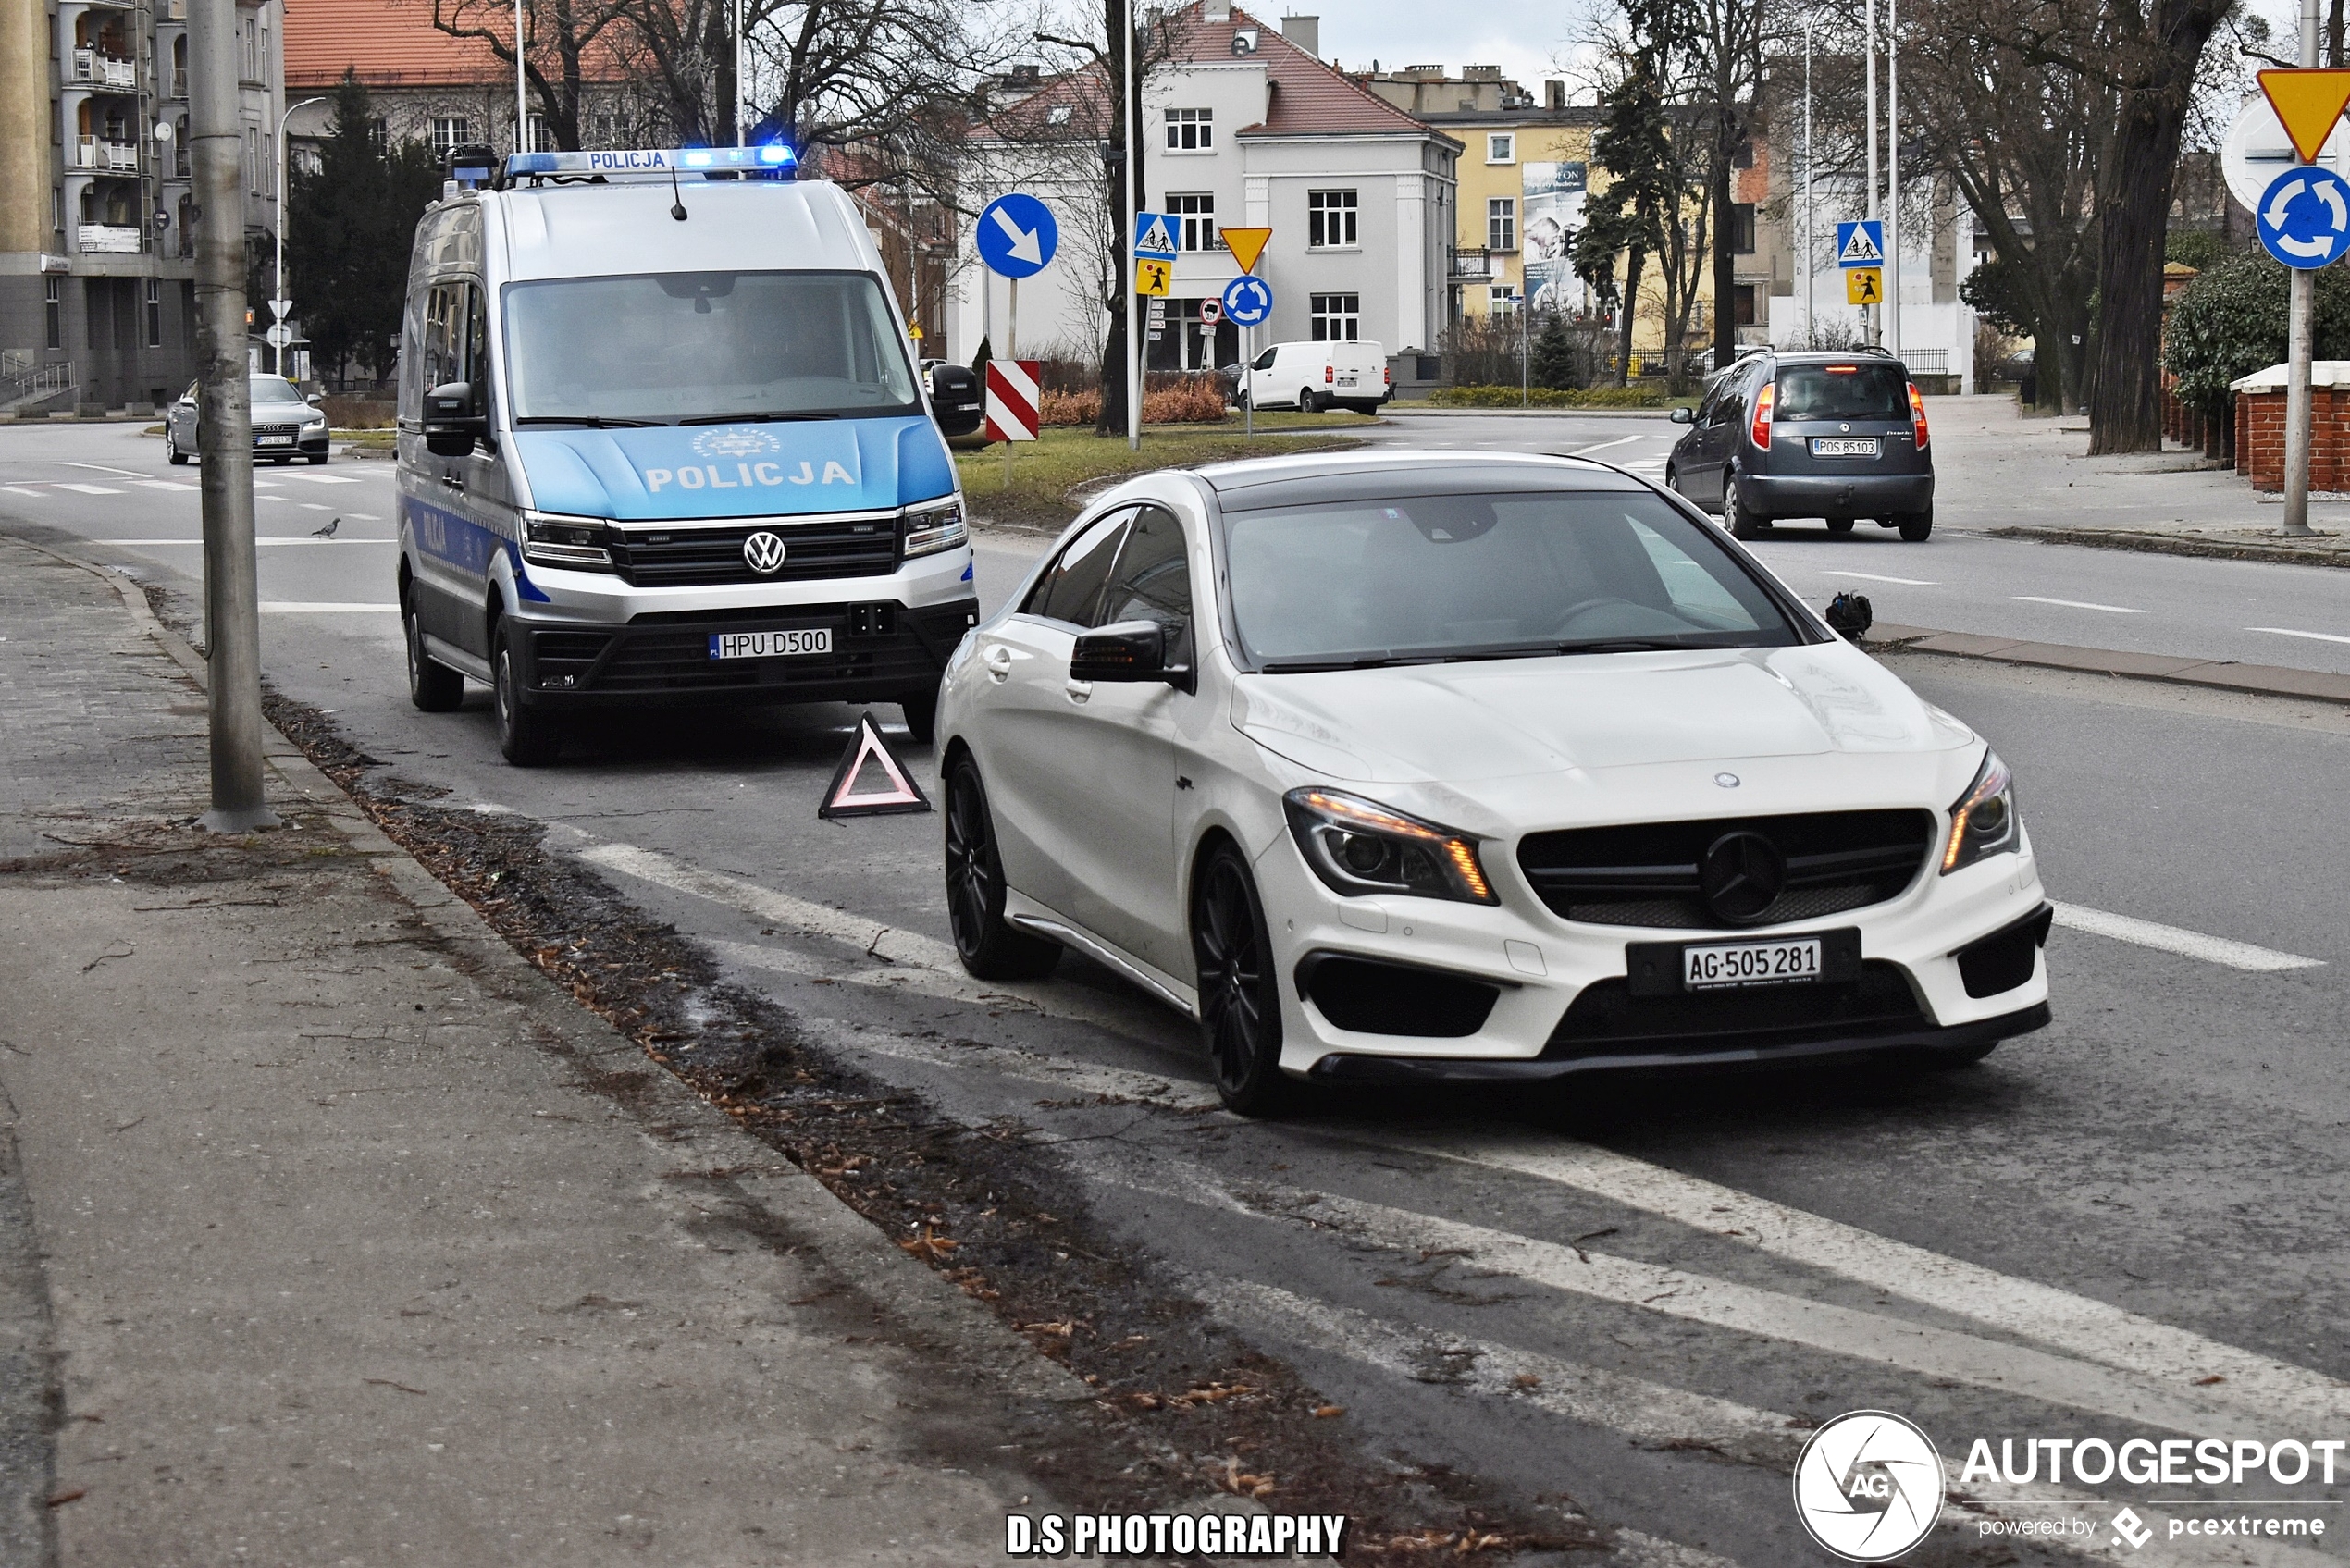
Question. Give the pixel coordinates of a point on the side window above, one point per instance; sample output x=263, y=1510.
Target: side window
x=1265, y=360
x=1072, y=590
x=1153, y=579
x=477, y=346
x=1710, y=406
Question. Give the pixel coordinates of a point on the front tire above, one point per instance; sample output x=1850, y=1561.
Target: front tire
x=989, y=946
x=1240, y=1000
x=433, y=689
x=317, y=457
x=1744, y=525
x=528, y=738
x=922, y=715
x=171, y=452
x=1915, y=526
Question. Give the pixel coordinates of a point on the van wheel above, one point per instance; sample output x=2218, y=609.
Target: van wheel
x=1840, y=525
x=434, y=688
x=529, y=737
x=989, y=946
x=921, y=709
x=1306, y=402
x=1743, y=524
x=1915, y=526
x=1240, y=996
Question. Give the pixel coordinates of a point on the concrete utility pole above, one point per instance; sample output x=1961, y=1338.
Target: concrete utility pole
x=1810, y=207
x=1893, y=174
x=1870, y=314
x=2299, y=348
x=224, y=424
x=1133, y=366
x=522, y=88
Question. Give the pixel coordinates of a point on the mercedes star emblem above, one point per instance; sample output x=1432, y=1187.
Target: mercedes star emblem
x=763, y=553
x=1741, y=876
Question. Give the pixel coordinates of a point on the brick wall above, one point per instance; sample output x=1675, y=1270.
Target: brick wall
x=2261, y=438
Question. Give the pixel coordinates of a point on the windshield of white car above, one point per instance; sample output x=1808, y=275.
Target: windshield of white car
x=1424, y=579
x=705, y=347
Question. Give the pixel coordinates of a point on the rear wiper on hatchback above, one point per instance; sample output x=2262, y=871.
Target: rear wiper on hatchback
x=591, y=421
x=757, y=416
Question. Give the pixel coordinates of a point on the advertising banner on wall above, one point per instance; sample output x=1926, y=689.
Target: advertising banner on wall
x=1553, y=215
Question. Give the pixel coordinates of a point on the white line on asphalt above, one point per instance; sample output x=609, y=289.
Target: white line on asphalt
x=1873, y=577
x=886, y=943
x=166, y=485
x=2080, y=604
x=364, y=516
x=2078, y=1326
x=260, y=483
x=20, y=490
x=316, y=506
x=1655, y=1414
x=322, y=478
x=85, y=490
x=2289, y=632
x=98, y=468
x=1620, y=441
x=1057, y=1073
x=2186, y=944
x=300, y=607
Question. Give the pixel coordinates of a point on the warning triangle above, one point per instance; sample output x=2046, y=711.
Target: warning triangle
x=2309, y=104
x=851, y=793
x=1246, y=245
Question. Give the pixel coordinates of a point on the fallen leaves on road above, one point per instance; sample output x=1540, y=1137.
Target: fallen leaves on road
x=1324, y=1412
x=388, y=1383
x=1241, y=1484
x=58, y=1499
x=929, y=1246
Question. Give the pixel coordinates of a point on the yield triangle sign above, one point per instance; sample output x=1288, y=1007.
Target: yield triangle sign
x=2309, y=104
x=1246, y=245
x=871, y=780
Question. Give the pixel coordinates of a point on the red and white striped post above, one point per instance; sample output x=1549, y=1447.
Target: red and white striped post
x=1013, y=399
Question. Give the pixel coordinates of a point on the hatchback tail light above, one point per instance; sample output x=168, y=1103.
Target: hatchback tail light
x=1330, y=374
x=1917, y=415
x=1760, y=430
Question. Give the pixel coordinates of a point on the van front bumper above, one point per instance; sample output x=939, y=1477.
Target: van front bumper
x=1836, y=494
x=880, y=651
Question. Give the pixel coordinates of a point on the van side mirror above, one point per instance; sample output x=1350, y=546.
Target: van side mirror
x=955, y=401
x=1129, y=652
x=452, y=421
x=1683, y=417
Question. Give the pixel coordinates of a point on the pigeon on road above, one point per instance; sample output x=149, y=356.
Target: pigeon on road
x=328, y=532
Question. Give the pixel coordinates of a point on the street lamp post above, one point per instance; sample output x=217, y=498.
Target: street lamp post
x=522, y=95
x=278, y=268
x=1810, y=208
x=1893, y=174
x=1133, y=366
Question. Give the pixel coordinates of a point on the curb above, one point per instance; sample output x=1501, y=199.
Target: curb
x=2175, y=544
x=2263, y=680
x=1400, y=409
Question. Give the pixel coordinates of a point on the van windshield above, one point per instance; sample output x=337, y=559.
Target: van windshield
x=672, y=346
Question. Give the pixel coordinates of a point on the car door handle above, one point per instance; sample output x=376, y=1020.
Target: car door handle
x=999, y=664
x=453, y=482
x=1080, y=691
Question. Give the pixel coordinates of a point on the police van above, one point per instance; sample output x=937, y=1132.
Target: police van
x=661, y=443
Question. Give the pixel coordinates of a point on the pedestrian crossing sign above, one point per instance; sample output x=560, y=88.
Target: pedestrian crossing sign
x=1860, y=244
x=1864, y=285
x=1154, y=237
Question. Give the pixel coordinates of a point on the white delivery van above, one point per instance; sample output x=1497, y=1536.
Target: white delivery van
x=1319, y=375
x=662, y=443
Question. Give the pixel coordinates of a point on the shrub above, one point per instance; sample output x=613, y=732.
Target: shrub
x=1545, y=397
x=1081, y=407
x=1186, y=400
x=2231, y=321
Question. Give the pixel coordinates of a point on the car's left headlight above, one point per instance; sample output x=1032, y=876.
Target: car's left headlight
x=1983, y=821
x=1359, y=848
x=932, y=528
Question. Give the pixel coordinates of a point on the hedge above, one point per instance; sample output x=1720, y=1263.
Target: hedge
x=1544, y=397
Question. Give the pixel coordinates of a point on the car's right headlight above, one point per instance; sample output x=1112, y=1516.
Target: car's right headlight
x=1359, y=848
x=577, y=543
x=1983, y=821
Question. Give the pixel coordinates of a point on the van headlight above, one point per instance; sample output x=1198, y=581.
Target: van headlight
x=937, y=526
x=1982, y=819
x=1359, y=848
x=576, y=544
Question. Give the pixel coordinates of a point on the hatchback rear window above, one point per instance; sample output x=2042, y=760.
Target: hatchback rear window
x=1843, y=391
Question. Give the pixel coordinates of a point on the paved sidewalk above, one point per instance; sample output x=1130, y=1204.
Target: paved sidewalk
x=344, y=1238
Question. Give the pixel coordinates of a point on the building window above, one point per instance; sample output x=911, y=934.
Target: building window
x=450, y=132
x=1742, y=227
x=52, y=312
x=58, y=208
x=1500, y=147
x=1198, y=217
x=1743, y=304
x=542, y=140
x=1338, y=318
x=1501, y=223
x=249, y=48
x=155, y=313
x=1500, y=300
x=1191, y=131
x=1330, y=218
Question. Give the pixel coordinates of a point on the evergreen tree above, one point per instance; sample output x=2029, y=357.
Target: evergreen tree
x=1554, y=357
x=350, y=224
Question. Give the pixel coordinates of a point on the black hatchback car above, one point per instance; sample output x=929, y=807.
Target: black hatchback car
x=1836, y=436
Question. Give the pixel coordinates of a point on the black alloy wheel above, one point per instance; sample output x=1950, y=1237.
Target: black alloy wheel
x=1239, y=1003
x=1840, y=525
x=433, y=687
x=1744, y=525
x=528, y=738
x=989, y=946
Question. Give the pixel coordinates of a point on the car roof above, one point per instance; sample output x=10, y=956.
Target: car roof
x=1832, y=356
x=1256, y=483
x=554, y=230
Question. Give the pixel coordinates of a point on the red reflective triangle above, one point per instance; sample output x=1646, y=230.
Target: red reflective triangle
x=894, y=791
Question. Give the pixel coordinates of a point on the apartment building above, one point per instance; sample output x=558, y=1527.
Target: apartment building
x=97, y=248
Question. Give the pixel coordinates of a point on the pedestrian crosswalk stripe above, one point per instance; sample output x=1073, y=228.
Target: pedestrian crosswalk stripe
x=86, y=489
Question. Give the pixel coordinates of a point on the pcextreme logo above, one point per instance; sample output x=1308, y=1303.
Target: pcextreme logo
x=1868, y=1485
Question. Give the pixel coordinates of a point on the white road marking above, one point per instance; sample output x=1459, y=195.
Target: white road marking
x=2186, y=944
x=322, y=478
x=1619, y=441
x=297, y=606
x=316, y=506
x=20, y=490
x=1056, y=1073
x=364, y=516
x=886, y=943
x=261, y=484
x=166, y=485
x=2079, y=1326
x=98, y=468
x=1873, y=577
x=2079, y=604
x=2289, y=632
x=1655, y=1414
x=85, y=490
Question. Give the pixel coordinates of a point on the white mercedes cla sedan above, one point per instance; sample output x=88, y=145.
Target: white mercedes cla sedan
x=1448, y=766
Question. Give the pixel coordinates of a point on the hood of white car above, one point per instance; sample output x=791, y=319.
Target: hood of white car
x=1510, y=718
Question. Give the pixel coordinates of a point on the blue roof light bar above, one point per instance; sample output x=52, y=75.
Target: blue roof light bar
x=772, y=159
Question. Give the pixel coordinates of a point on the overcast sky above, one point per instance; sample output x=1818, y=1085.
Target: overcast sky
x=1520, y=36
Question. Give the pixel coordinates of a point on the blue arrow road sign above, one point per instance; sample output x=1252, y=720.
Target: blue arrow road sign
x=1017, y=236
x=2305, y=218
x=1860, y=244
x=1154, y=236
x=1247, y=300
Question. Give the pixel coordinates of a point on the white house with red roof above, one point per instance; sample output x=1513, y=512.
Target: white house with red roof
x=1243, y=127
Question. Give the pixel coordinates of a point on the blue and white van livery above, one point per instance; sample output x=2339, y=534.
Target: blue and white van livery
x=662, y=442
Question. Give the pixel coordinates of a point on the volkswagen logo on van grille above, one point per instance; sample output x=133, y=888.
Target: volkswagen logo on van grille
x=763, y=553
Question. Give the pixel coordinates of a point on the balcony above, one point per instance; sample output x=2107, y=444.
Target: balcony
x=94, y=156
x=180, y=83
x=110, y=239
x=103, y=70
x=1471, y=264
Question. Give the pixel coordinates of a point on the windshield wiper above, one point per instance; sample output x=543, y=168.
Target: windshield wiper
x=757, y=416
x=1365, y=662
x=1621, y=645
x=592, y=420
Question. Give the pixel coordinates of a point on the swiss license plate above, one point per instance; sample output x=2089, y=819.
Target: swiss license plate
x=1716, y=965
x=770, y=645
x=276, y=440
x=1844, y=446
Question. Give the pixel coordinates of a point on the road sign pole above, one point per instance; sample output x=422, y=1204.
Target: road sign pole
x=1248, y=404
x=2299, y=348
x=1133, y=366
x=1868, y=51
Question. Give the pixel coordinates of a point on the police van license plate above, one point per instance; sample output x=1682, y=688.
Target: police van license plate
x=770, y=645
x=1715, y=965
x=1842, y=446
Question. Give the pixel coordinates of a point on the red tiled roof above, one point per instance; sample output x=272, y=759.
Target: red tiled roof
x=1308, y=97
x=390, y=43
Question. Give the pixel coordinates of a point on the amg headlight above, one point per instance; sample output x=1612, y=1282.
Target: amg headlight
x=577, y=543
x=1360, y=848
x=930, y=529
x=1982, y=819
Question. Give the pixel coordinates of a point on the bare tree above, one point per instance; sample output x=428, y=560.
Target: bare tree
x=565, y=40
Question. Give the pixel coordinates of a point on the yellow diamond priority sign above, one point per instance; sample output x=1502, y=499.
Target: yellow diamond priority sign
x=2308, y=102
x=1864, y=285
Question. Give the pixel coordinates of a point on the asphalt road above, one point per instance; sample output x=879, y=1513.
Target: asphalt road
x=1639, y=1296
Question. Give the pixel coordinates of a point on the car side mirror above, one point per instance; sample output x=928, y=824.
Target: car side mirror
x=452, y=421
x=1683, y=417
x=1129, y=652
